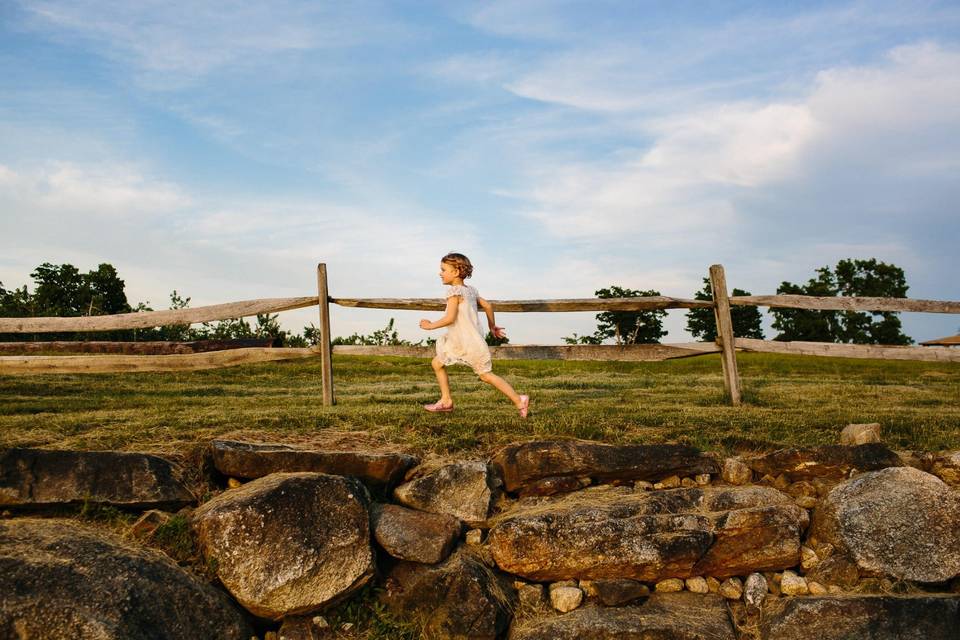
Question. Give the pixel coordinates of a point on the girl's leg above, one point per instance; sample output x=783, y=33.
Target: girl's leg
x=443, y=381
x=501, y=384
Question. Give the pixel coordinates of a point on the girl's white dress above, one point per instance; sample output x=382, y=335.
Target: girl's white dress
x=464, y=341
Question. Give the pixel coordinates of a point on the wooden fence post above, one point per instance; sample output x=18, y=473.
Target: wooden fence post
x=326, y=355
x=721, y=312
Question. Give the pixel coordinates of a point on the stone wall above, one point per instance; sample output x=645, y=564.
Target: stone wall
x=543, y=539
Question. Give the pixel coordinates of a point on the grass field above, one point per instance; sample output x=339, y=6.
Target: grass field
x=790, y=400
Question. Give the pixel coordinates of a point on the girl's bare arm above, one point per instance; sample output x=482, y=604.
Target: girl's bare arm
x=488, y=309
x=448, y=317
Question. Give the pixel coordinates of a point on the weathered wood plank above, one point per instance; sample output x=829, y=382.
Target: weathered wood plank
x=721, y=312
x=879, y=352
x=517, y=306
x=147, y=319
x=146, y=347
x=633, y=352
x=848, y=303
x=21, y=365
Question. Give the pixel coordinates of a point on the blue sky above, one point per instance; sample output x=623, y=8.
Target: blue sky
x=223, y=149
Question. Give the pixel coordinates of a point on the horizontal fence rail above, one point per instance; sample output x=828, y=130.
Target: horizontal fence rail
x=149, y=319
x=726, y=344
x=847, y=303
x=525, y=306
x=836, y=350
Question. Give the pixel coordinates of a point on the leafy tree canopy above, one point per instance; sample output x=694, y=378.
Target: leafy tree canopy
x=702, y=324
x=625, y=327
x=850, y=277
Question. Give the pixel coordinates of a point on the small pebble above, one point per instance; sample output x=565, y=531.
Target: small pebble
x=697, y=584
x=565, y=599
x=669, y=585
x=732, y=589
x=793, y=585
x=736, y=472
x=642, y=485
x=713, y=584
x=474, y=537
x=702, y=479
x=815, y=588
x=688, y=483
x=755, y=590
x=233, y=483
x=808, y=558
x=668, y=483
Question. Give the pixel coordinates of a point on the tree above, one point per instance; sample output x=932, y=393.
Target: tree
x=625, y=327
x=849, y=278
x=702, y=324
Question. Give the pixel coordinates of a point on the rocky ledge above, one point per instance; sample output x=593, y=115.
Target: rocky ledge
x=542, y=539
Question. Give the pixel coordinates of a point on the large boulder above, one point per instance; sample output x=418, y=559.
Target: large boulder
x=255, y=460
x=464, y=490
x=924, y=617
x=527, y=463
x=459, y=598
x=414, y=535
x=288, y=543
x=676, y=533
x=43, y=477
x=60, y=579
x=900, y=522
x=832, y=461
x=664, y=616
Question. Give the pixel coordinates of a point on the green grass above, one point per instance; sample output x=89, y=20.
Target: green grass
x=790, y=400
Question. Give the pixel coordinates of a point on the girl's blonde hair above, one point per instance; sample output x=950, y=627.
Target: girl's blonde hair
x=461, y=262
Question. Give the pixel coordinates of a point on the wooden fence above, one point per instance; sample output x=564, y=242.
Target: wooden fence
x=726, y=343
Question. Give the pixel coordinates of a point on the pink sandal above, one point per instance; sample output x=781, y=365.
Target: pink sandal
x=436, y=407
x=524, y=405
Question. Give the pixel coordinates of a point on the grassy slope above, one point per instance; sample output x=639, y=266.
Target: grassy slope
x=790, y=400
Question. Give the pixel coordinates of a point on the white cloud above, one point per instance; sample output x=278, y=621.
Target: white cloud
x=896, y=119
x=174, y=42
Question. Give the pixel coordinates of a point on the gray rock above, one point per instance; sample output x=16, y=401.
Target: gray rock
x=464, y=490
x=837, y=570
x=565, y=599
x=614, y=592
x=735, y=472
x=531, y=596
x=42, y=477
x=414, y=535
x=459, y=598
x=828, y=461
x=524, y=464
x=288, y=543
x=664, y=616
x=927, y=617
x=946, y=466
x=755, y=590
x=717, y=531
x=60, y=579
x=899, y=522
x=854, y=434
x=255, y=460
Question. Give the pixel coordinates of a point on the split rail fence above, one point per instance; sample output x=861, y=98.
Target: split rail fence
x=726, y=343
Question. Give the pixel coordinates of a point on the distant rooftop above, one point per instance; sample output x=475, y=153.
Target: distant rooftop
x=949, y=341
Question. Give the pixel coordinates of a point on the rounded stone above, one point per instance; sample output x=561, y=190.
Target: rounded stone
x=697, y=584
x=565, y=599
x=670, y=585
x=289, y=543
x=899, y=521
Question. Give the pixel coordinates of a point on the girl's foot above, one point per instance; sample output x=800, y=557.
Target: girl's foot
x=437, y=407
x=524, y=405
